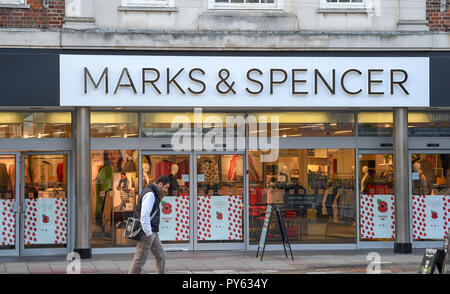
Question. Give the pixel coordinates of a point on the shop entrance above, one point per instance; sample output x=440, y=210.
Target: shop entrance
x=430, y=200
x=376, y=196
x=34, y=203
x=214, y=217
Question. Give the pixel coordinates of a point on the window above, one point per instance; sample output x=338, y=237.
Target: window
x=13, y=2
x=343, y=3
x=245, y=4
x=429, y=124
x=315, y=189
x=114, y=124
x=114, y=195
x=307, y=124
x=375, y=124
x=148, y=3
x=37, y=125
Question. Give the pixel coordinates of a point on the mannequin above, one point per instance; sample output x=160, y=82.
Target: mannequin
x=174, y=187
x=328, y=200
x=146, y=174
x=423, y=180
x=365, y=171
x=426, y=169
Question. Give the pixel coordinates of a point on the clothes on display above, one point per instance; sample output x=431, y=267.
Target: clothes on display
x=130, y=165
x=4, y=177
x=60, y=172
x=183, y=168
x=163, y=168
x=211, y=171
x=174, y=187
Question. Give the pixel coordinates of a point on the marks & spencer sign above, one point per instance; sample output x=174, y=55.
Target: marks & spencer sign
x=105, y=80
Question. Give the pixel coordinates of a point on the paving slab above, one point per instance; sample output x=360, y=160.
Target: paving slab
x=16, y=268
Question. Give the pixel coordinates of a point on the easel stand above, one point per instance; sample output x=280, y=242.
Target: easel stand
x=265, y=230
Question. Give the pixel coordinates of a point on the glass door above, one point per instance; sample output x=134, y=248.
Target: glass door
x=44, y=191
x=219, y=208
x=376, y=197
x=9, y=208
x=175, y=222
x=430, y=199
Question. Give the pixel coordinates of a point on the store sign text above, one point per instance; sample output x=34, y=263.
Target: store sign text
x=296, y=78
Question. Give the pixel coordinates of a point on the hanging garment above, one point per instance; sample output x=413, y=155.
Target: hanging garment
x=253, y=173
x=12, y=174
x=43, y=172
x=174, y=187
x=347, y=204
x=183, y=168
x=4, y=178
x=163, y=168
x=60, y=172
x=211, y=172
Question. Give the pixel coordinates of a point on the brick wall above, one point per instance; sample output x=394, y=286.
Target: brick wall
x=35, y=16
x=437, y=20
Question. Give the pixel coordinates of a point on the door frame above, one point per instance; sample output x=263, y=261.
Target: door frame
x=223, y=246
x=46, y=251
x=416, y=243
x=17, y=206
x=368, y=244
x=173, y=246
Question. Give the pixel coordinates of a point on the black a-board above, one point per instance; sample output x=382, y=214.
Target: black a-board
x=436, y=261
x=265, y=230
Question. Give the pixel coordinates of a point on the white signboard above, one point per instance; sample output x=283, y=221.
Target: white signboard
x=243, y=81
x=431, y=216
x=377, y=217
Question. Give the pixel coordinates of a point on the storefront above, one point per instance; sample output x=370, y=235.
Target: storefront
x=312, y=132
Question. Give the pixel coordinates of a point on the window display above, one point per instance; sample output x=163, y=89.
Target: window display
x=7, y=198
x=375, y=124
x=429, y=124
x=45, y=209
x=377, y=210
x=309, y=124
x=37, y=125
x=430, y=196
x=174, y=223
x=114, y=191
x=220, y=204
x=114, y=124
x=315, y=188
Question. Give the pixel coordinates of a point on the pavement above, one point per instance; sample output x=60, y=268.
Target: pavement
x=228, y=262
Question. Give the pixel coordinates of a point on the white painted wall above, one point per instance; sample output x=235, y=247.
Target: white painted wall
x=195, y=15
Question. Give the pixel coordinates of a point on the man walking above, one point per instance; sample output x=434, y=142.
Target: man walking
x=148, y=208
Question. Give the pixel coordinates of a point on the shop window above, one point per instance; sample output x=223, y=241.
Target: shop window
x=220, y=198
x=429, y=124
x=114, y=193
x=304, y=124
x=245, y=4
x=376, y=197
x=46, y=206
x=114, y=125
x=35, y=125
x=375, y=124
x=167, y=124
x=430, y=196
x=174, y=225
x=315, y=189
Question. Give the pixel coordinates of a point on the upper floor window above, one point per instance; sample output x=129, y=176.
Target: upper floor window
x=148, y=3
x=13, y=2
x=245, y=4
x=344, y=3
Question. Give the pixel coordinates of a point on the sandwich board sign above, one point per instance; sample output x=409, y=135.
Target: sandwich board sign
x=265, y=229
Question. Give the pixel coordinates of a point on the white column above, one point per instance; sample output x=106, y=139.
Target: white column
x=412, y=15
x=79, y=14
